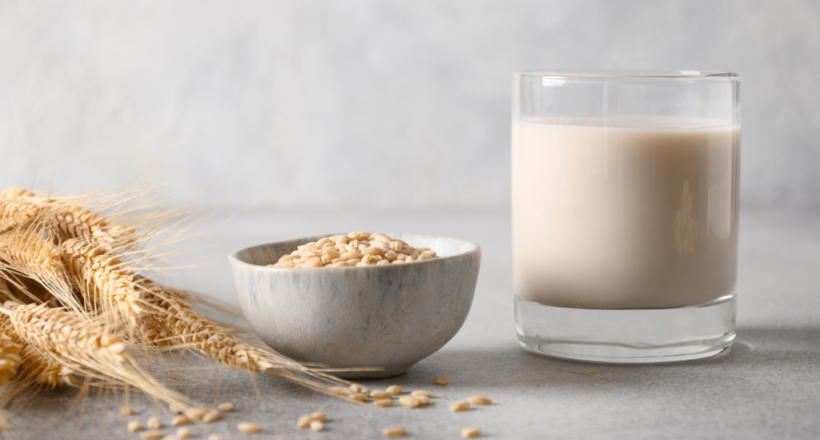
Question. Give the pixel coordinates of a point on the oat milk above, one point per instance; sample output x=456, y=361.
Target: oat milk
x=624, y=212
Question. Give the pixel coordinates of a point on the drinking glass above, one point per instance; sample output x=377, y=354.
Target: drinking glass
x=625, y=213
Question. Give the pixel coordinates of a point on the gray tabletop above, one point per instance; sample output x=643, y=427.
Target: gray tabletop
x=768, y=386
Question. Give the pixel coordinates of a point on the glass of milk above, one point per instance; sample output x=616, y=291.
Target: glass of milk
x=625, y=213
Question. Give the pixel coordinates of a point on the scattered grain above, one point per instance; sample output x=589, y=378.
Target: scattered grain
x=318, y=415
x=225, y=407
x=384, y=403
x=195, y=413
x=134, y=426
x=184, y=432
x=211, y=416
x=126, y=411
x=460, y=406
x=154, y=423
x=176, y=408
x=421, y=393
x=441, y=380
x=479, y=400
x=170, y=437
x=424, y=400
x=394, y=431
x=470, y=432
x=180, y=420
x=152, y=435
x=304, y=421
x=409, y=402
x=316, y=425
x=359, y=396
x=248, y=427
x=214, y=437
x=394, y=390
x=378, y=394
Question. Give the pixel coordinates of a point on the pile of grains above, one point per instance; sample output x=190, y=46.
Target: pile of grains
x=354, y=249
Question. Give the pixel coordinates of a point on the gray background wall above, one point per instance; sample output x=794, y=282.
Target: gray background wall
x=378, y=103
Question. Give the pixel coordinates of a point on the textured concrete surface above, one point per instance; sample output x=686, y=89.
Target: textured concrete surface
x=394, y=103
x=766, y=387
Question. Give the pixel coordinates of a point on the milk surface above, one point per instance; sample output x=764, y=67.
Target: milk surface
x=624, y=212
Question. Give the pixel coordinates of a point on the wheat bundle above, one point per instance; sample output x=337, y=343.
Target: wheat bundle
x=80, y=310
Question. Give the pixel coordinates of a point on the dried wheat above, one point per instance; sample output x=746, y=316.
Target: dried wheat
x=83, y=346
x=104, y=278
x=18, y=213
x=9, y=358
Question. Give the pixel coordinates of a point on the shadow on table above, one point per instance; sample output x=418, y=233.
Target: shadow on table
x=756, y=350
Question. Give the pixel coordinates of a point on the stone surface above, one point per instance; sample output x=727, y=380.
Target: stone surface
x=388, y=317
x=766, y=387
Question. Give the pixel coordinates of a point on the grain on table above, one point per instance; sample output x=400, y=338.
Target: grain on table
x=248, y=427
x=441, y=380
x=384, y=403
x=479, y=400
x=316, y=425
x=180, y=420
x=394, y=390
x=154, y=434
x=210, y=416
x=394, y=431
x=409, y=402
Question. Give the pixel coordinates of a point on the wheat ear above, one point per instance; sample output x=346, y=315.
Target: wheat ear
x=173, y=316
x=9, y=358
x=103, y=278
x=17, y=213
x=34, y=367
x=84, y=347
x=29, y=250
x=12, y=193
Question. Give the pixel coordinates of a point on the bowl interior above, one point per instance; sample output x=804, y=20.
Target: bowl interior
x=265, y=254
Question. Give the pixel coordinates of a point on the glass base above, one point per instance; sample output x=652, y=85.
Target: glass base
x=627, y=335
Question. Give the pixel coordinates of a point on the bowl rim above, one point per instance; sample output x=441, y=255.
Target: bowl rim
x=234, y=259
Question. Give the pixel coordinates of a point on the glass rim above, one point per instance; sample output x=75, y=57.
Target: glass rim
x=628, y=75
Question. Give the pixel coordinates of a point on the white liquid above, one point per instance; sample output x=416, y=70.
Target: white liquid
x=628, y=212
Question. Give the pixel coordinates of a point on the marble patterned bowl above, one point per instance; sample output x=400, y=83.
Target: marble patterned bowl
x=389, y=316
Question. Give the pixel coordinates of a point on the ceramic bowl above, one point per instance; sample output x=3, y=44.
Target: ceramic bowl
x=390, y=316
